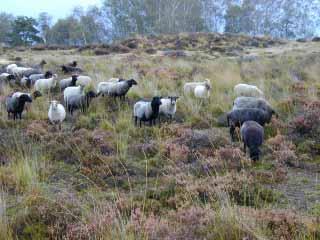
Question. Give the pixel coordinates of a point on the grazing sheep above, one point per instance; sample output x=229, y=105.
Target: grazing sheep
x=10, y=67
x=69, y=69
x=189, y=87
x=7, y=77
x=68, y=82
x=56, y=113
x=247, y=90
x=34, y=77
x=252, y=135
x=45, y=84
x=116, y=89
x=202, y=91
x=252, y=102
x=15, y=105
x=83, y=80
x=237, y=117
x=80, y=101
x=147, y=111
x=72, y=91
x=168, y=107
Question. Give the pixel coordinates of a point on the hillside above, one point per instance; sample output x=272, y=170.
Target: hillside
x=101, y=177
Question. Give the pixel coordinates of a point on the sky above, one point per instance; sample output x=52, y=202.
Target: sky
x=55, y=8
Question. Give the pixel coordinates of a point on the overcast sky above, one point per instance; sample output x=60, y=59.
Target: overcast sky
x=56, y=8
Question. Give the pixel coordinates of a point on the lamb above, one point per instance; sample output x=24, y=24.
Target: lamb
x=116, y=89
x=69, y=69
x=68, y=82
x=45, y=84
x=252, y=102
x=80, y=101
x=189, y=87
x=252, y=135
x=202, y=91
x=15, y=105
x=56, y=113
x=237, y=117
x=247, y=90
x=146, y=111
x=168, y=107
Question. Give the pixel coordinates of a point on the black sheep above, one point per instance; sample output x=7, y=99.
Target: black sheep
x=15, y=105
x=252, y=135
x=238, y=116
x=69, y=69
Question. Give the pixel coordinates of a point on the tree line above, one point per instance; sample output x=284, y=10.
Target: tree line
x=119, y=19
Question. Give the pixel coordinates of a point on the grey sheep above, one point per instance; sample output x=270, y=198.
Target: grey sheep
x=116, y=89
x=147, y=111
x=68, y=82
x=237, y=117
x=80, y=101
x=15, y=105
x=253, y=102
x=252, y=135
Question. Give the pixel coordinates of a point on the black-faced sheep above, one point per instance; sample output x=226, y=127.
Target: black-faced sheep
x=15, y=105
x=116, y=89
x=69, y=69
x=237, y=117
x=80, y=101
x=146, y=111
x=68, y=82
x=252, y=135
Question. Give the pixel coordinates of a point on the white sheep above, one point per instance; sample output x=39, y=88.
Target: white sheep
x=189, y=87
x=10, y=67
x=6, y=77
x=83, y=80
x=246, y=90
x=168, y=107
x=202, y=91
x=56, y=113
x=68, y=82
x=146, y=111
x=45, y=84
x=72, y=91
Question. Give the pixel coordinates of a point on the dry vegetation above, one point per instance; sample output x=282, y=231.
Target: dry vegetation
x=102, y=178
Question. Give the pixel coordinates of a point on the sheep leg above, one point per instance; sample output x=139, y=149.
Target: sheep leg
x=232, y=129
x=135, y=121
x=140, y=123
x=245, y=148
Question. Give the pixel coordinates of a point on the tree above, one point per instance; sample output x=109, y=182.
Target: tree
x=24, y=32
x=6, y=22
x=44, y=23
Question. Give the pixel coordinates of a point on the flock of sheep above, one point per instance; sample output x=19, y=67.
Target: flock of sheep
x=250, y=110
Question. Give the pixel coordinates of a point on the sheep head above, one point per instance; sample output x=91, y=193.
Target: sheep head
x=54, y=104
x=132, y=82
x=48, y=74
x=36, y=94
x=173, y=100
x=25, y=98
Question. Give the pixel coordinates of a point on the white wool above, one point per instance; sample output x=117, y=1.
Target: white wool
x=56, y=113
x=103, y=87
x=45, y=84
x=18, y=94
x=168, y=107
x=201, y=92
x=142, y=110
x=11, y=67
x=65, y=82
x=23, y=81
x=84, y=80
x=113, y=88
x=71, y=91
x=247, y=90
x=19, y=71
x=189, y=87
x=3, y=76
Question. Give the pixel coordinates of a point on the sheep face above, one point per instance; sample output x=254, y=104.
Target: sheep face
x=43, y=62
x=208, y=86
x=11, y=77
x=25, y=98
x=131, y=82
x=48, y=74
x=74, y=79
x=173, y=100
x=36, y=94
x=156, y=102
x=54, y=104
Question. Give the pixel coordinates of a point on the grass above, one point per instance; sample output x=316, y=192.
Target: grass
x=101, y=177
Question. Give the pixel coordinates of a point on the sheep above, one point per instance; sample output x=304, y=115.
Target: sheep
x=23, y=71
x=189, y=87
x=15, y=105
x=10, y=67
x=68, y=82
x=83, y=80
x=237, y=117
x=116, y=89
x=79, y=101
x=146, y=111
x=247, y=90
x=56, y=113
x=252, y=135
x=45, y=84
x=73, y=64
x=168, y=107
x=34, y=77
x=7, y=77
x=69, y=69
x=252, y=102
x=72, y=91
x=202, y=91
